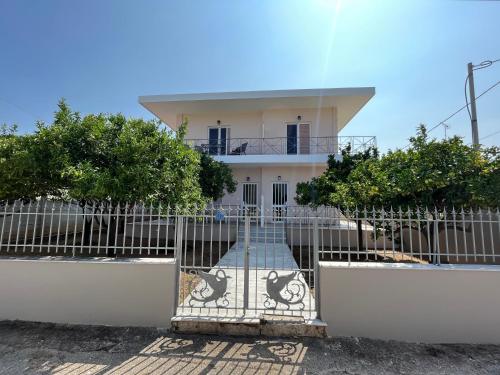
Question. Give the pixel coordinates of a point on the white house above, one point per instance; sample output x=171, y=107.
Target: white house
x=271, y=139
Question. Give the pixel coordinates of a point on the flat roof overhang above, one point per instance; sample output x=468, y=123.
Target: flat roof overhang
x=274, y=160
x=348, y=102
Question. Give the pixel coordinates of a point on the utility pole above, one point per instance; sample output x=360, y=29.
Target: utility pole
x=473, y=121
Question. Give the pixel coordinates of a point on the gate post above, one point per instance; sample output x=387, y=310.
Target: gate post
x=316, y=267
x=246, y=260
x=179, y=224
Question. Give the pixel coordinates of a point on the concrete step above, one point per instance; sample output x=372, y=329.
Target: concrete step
x=268, y=240
x=267, y=325
x=263, y=234
x=262, y=239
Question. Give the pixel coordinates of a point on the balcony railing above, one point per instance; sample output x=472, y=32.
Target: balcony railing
x=281, y=145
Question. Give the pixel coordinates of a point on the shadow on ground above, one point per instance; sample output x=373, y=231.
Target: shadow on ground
x=40, y=348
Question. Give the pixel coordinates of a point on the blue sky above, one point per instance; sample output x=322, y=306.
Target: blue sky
x=101, y=55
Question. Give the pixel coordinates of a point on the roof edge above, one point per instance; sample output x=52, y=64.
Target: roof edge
x=230, y=95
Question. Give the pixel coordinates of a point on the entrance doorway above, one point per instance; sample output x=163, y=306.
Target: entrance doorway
x=250, y=198
x=280, y=199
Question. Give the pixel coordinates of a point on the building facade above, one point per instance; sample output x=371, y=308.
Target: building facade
x=271, y=139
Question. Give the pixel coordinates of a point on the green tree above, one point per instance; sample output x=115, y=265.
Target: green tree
x=322, y=189
x=108, y=162
x=430, y=173
x=215, y=178
x=24, y=171
x=325, y=189
x=12, y=164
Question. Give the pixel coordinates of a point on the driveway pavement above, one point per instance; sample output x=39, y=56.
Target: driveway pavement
x=37, y=348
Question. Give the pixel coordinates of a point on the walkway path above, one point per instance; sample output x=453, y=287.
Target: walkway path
x=271, y=265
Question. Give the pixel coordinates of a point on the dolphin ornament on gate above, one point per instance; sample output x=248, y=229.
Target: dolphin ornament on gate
x=217, y=283
x=285, y=289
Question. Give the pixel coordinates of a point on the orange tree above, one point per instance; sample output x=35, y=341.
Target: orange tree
x=430, y=173
x=108, y=162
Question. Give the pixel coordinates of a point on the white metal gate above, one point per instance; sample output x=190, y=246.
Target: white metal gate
x=230, y=266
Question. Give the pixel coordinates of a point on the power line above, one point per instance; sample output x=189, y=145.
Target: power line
x=491, y=135
x=466, y=98
x=465, y=106
x=460, y=109
x=485, y=64
x=21, y=109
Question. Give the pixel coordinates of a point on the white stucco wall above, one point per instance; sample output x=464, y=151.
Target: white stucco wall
x=322, y=120
x=422, y=303
x=138, y=292
x=242, y=124
x=265, y=176
x=262, y=124
x=290, y=175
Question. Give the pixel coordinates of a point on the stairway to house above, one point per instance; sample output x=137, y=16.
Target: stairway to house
x=270, y=233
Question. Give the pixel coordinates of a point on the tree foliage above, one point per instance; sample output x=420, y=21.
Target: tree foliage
x=215, y=178
x=109, y=163
x=429, y=173
x=100, y=158
x=323, y=189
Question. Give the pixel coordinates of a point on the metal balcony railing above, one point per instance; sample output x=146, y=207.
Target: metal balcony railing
x=281, y=145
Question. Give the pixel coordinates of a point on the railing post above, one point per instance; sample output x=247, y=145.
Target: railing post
x=262, y=212
x=179, y=221
x=436, y=254
x=246, y=248
x=316, y=266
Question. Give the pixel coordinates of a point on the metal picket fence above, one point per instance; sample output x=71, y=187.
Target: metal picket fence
x=60, y=228
x=52, y=227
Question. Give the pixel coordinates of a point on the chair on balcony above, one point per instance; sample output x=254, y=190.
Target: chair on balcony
x=200, y=149
x=241, y=150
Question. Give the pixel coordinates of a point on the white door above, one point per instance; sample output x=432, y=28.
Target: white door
x=304, y=138
x=280, y=199
x=250, y=198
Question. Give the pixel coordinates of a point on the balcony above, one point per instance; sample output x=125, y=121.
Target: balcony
x=239, y=147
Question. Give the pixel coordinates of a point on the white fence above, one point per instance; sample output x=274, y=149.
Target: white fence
x=401, y=235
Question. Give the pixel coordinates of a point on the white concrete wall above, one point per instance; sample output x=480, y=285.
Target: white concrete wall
x=265, y=176
x=242, y=124
x=138, y=292
x=323, y=121
x=422, y=303
x=262, y=124
x=290, y=175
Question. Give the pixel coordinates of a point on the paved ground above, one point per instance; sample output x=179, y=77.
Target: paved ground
x=36, y=348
